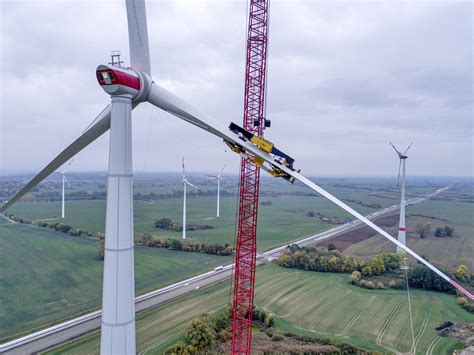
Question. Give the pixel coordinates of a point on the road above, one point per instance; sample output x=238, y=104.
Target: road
x=61, y=333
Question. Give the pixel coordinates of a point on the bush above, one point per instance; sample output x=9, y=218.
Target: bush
x=277, y=337
x=362, y=283
x=393, y=284
x=369, y=285
x=380, y=285
x=462, y=301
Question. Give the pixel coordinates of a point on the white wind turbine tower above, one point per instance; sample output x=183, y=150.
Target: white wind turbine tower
x=128, y=88
x=218, y=177
x=401, y=223
x=185, y=182
x=64, y=180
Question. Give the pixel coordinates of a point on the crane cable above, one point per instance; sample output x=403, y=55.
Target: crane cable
x=405, y=267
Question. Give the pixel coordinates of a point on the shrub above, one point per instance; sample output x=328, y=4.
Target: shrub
x=462, y=301
x=392, y=284
x=369, y=285
x=380, y=285
x=362, y=283
x=277, y=337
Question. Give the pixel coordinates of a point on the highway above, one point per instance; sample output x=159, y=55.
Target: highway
x=66, y=331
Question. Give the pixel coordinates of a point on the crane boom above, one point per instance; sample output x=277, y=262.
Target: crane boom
x=254, y=122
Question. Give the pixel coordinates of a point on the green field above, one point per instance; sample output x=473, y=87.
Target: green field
x=285, y=220
x=308, y=303
x=46, y=277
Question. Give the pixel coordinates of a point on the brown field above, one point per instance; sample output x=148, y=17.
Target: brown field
x=344, y=241
x=447, y=253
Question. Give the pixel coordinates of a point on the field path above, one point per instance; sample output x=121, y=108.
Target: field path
x=327, y=310
x=432, y=346
x=387, y=323
x=357, y=316
x=385, y=326
x=422, y=329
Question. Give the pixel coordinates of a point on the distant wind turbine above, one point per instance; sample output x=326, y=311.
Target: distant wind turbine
x=64, y=180
x=185, y=182
x=401, y=224
x=218, y=177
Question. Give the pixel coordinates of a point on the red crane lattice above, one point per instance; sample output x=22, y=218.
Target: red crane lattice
x=255, y=122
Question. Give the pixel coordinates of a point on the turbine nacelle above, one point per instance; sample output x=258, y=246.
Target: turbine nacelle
x=118, y=81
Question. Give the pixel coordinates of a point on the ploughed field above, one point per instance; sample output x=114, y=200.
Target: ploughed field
x=308, y=303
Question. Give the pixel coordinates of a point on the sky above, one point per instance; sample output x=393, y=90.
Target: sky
x=344, y=78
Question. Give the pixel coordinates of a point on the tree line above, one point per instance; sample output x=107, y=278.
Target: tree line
x=168, y=224
x=58, y=227
x=324, y=260
x=206, y=332
x=184, y=245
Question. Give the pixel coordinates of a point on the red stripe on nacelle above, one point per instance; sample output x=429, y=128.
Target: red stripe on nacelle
x=121, y=78
x=402, y=229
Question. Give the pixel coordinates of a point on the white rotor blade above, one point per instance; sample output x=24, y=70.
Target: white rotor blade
x=65, y=178
x=400, y=155
x=184, y=174
x=187, y=182
x=69, y=164
x=138, y=35
x=408, y=148
x=100, y=127
x=399, y=168
x=220, y=173
x=176, y=106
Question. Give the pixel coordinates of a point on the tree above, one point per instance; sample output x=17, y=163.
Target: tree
x=101, y=251
x=179, y=349
x=448, y=231
x=201, y=334
x=331, y=246
x=163, y=223
x=269, y=322
x=439, y=232
x=423, y=229
x=461, y=273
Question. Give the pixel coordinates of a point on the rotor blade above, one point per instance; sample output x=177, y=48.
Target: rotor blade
x=100, y=127
x=399, y=167
x=399, y=154
x=68, y=165
x=184, y=176
x=138, y=35
x=220, y=173
x=187, y=182
x=407, y=148
x=65, y=178
x=178, y=107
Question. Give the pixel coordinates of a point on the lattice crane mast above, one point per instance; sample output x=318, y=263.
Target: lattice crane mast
x=254, y=121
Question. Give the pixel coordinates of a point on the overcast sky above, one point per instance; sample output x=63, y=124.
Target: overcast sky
x=344, y=78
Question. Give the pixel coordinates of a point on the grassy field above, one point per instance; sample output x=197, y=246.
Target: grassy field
x=307, y=303
x=46, y=277
x=285, y=220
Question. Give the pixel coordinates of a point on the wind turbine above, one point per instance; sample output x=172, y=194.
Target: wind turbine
x=129, y=87
x=401, y=223
x=218, y=177
x=64, y=180
x=185, y=182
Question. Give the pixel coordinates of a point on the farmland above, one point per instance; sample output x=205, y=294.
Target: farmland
x=283, y=221
x=308, y=303
x=46, y=277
